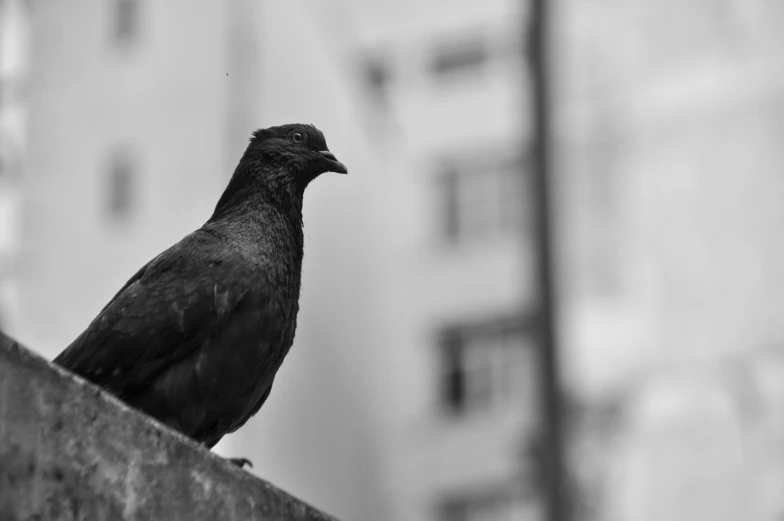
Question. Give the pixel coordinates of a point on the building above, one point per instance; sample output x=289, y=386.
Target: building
x=668, y=125
x=388, y=405
x=460, y=384
x=410, y=393
x=14, y=69
x=411, y=390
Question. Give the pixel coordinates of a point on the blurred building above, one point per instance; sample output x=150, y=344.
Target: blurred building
x=409, y=394
x=445, y=81
x=14, y=69
x=669, y=119
x=411, y=390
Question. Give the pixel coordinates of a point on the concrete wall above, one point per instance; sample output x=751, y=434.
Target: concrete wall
x=69, y=451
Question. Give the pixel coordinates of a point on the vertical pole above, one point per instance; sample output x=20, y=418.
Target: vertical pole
x=552, y=471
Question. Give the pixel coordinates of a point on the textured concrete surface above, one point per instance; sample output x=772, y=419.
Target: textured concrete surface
x=69, y=451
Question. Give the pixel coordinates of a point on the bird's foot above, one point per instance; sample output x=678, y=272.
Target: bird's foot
x=240, y=462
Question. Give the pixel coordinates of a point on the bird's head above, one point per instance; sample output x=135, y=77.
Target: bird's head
x=299, y=149
x=279, y=163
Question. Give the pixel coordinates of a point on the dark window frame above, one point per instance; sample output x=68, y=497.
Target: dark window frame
x=456, y=393
x=463, y=222
x=378, y=75
x=121, y=183
x=125, y=21
x=466, y=505
x=463, y=58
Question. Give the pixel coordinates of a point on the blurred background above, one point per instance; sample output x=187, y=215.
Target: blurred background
x=415, y=390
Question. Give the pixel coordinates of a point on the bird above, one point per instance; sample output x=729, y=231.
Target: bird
x=195, y=337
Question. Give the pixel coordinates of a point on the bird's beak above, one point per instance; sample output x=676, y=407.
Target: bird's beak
x=337, y=166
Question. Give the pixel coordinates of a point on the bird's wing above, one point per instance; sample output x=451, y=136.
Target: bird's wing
x=161, y=314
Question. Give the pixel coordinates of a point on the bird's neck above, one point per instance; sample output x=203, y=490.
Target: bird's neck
x=255, y=189
x=262, y=210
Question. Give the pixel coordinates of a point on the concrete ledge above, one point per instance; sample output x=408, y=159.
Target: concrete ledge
x=70, y=451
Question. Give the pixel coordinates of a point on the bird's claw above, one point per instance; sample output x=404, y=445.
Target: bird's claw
x=241, y=462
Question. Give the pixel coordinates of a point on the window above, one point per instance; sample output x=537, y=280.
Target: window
x=464, y=59
x=377, y=77
x=120, y=185
x=10, y=158
x=488, y=508
x=450, y=200
x=126, y=20
x=505, y=503
x=485, y=366
x=482, y=198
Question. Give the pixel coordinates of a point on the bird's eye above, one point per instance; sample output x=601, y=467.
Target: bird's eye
x=298, y=137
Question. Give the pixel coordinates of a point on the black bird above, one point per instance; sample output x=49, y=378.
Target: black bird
x=195, y=337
